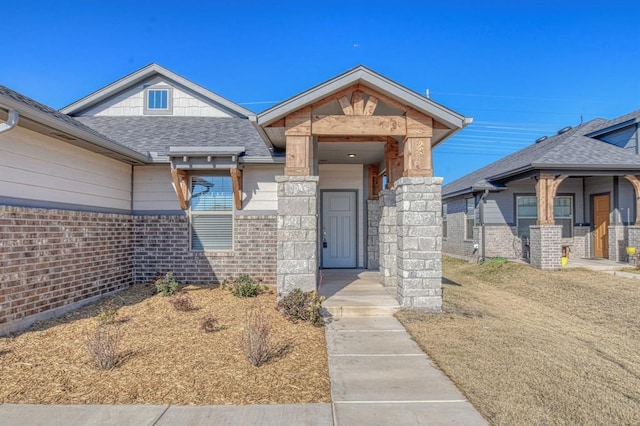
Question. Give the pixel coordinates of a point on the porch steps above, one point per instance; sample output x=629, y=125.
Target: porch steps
x=356, y=293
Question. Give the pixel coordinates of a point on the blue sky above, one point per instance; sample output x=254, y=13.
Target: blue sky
x=521, y=69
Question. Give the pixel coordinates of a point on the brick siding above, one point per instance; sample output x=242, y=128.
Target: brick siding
x=50, y=259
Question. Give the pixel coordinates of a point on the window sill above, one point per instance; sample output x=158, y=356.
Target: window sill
x=214, y=253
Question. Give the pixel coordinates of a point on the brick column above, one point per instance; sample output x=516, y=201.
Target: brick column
x=373, y=225
x=617, y=243
x=634, y=237
x=545, y=245
x=419, y=254
x=297, y=247
x=387, y=237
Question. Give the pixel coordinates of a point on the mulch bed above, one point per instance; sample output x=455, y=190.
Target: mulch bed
x=166, y=358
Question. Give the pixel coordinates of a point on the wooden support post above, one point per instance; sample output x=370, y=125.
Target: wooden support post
x=393, y=162
x=546, y=189
x=180, y=179
x=299, y=157
x=375, y=183
x=417, y=144
x=236, y=181
x=635, y=182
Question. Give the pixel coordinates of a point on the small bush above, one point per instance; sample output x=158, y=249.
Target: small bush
x=301, y=306
x=103, y=344
x=166, y=285
x=108, y=313
x=243, y=286
x=209, y=324
x=182, y=302
x=256, y=338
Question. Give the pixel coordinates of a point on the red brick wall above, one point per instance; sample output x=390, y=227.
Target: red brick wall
x=162, y=245
x=53, y=258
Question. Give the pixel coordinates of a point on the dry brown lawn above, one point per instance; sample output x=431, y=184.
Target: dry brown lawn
x=166, y=357
x=529, y=347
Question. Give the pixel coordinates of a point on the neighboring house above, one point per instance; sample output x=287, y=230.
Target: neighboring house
x=568, y=194
x=154, y=173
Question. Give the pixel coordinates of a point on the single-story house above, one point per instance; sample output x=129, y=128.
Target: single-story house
x=154, y=173
x=573, y=194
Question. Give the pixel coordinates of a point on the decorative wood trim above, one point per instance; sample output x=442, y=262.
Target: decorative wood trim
x=236, y=181
x=419, y=124
x=375, y=182
x=393, y=161
x=357, y=102
x=336, y=96
x=417, y=157
x=279, y=123
x=383, y=98
x=299, y=153
x=343, y=139
x=358, y=125
x=438, y=125
x=347, y=109
x=298, y=123
x=635, y=182
x=546, y=189
x=371, y=105
x=180, y=179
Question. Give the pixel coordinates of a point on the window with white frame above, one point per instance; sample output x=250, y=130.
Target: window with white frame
x=211, y=213
x=158, y=100
x=470, y=218
x=444, y=220
x=527, y=213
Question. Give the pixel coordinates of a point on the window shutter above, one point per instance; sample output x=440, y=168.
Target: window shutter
x=211, y=232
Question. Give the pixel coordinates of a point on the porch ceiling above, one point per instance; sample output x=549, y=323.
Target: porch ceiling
x=337, y=152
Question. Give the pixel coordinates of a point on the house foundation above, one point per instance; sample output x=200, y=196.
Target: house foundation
x=545, y=243
x=419, y=230
x=297, y=247
x=387, y=236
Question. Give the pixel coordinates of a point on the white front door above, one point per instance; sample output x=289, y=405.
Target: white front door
x=339, y=229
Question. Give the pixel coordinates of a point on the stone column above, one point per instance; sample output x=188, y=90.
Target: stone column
x=297, y=264
x=387, y=237
x=419, y=254
x=373, y=243
x=545, y=245
x=634, y=237
x=617, y=243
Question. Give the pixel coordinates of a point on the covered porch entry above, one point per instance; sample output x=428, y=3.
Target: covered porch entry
x=342, y=139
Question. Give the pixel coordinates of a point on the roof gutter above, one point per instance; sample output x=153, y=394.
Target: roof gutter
x=12, y=121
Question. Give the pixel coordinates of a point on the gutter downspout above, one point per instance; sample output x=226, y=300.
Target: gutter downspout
x=12, y=121
x=483, y=201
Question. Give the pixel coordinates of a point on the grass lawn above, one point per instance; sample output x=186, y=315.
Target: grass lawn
x=166, y=358
x=531, y=347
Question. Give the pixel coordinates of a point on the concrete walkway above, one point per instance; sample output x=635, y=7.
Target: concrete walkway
x=379, y=376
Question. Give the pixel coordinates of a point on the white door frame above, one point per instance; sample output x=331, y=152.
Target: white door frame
x=320, y=230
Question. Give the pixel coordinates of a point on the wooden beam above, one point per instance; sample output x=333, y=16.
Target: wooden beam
x=298, y=123
x=635, y=182
x=417, y=157
x=419, y=124
x=375, y=182
x=323, y=125
x=299, y=152
x=236, y=181
x=546, y=189
x=347, y=109
x=180, y=178
x=371, y=105
x=343, y=139
x=357, y=102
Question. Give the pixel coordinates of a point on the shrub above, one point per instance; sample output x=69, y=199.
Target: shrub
x=301, y=306
x=182, y=302
x=256, y=338
x=166, y=285
x=108, y=313
x=208, y=324
x=102, y=344
x=243, y=286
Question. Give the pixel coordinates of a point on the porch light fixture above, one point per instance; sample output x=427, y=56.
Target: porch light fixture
x=351, y=155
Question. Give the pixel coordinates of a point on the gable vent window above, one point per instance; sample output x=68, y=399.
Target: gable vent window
x=211, y=213
x=158, y=100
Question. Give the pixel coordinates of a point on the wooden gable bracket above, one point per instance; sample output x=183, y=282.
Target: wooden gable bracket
x=546, y=189
x=635, y=182
x=236, y=181
x=180, y=180
x=375, y=182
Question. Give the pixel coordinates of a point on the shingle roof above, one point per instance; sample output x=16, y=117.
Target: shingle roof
x=567, y=150
x=157, y=134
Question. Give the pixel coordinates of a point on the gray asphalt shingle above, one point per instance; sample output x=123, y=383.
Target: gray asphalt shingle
x=570, y=149
x=157, y=134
